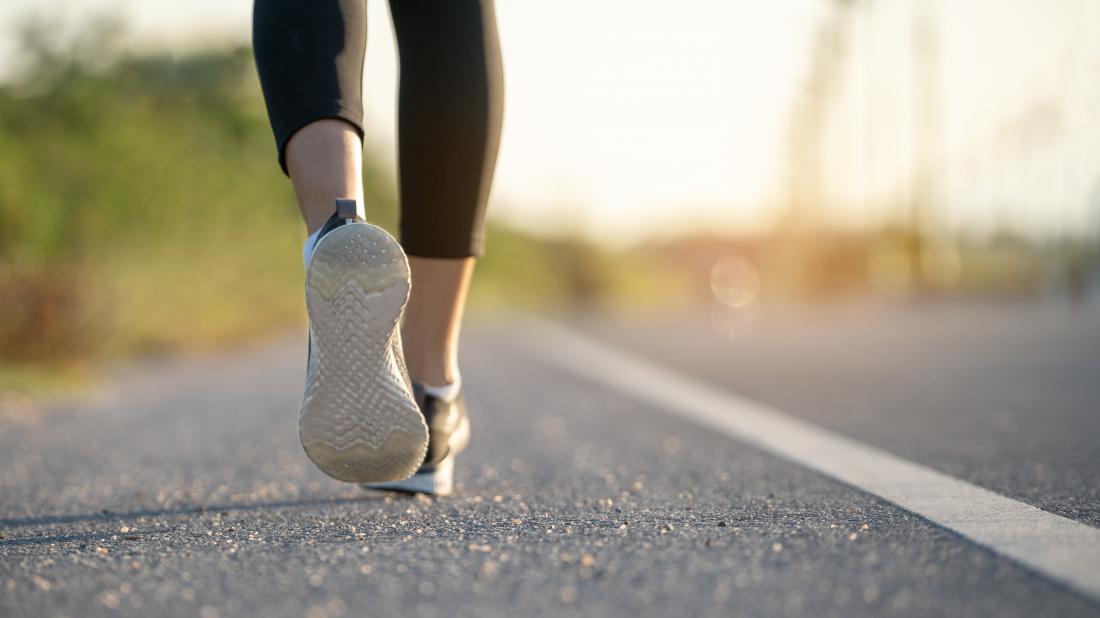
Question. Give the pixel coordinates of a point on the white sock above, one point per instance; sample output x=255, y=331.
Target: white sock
x=447, y=392
x=311, y=244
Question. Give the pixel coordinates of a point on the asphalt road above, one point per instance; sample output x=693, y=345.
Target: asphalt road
x=181, y=490
x=1006, y=395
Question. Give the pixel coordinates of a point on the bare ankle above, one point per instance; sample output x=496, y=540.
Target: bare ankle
x=434, y=374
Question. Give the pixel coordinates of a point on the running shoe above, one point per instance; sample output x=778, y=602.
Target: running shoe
x=359, y=420
x=449, y=428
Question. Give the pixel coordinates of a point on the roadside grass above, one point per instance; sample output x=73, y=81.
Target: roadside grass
x=38, y=380
x=142, y=212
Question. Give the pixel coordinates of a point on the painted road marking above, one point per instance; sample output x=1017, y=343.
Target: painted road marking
x=1059, y=548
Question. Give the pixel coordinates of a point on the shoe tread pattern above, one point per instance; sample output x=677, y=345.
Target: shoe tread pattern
x=359, y=421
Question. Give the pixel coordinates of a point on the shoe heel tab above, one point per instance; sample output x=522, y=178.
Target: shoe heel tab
x=346, y=209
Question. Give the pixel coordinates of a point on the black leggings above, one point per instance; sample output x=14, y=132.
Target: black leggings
x=309, y=54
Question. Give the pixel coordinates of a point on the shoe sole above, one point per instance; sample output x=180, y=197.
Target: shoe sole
x=438, y=482
x=359, y=421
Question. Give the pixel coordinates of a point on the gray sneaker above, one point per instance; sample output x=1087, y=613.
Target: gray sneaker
x=449, y=428
x=359, y=420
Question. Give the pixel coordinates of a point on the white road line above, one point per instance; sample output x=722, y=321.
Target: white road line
x=1056, y=547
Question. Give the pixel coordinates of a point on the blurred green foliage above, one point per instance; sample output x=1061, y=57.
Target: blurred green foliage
x=142, y=209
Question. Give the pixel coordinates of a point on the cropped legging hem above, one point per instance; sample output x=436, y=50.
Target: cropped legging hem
x=429, y=244
x=312, y=111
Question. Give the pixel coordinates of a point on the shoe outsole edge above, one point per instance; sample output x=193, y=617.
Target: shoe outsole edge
x=440, y=480
x=359, y=422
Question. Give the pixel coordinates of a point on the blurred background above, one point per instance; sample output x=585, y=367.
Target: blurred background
x=709, y=157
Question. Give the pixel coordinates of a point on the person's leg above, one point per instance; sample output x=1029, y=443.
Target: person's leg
x=433, y=318
x=360, y=420
x=450, y=110
x=309, y=55
x=325, y=162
